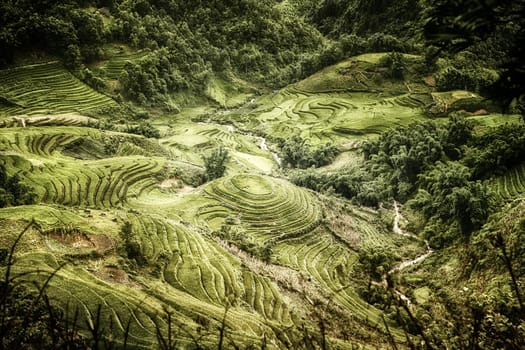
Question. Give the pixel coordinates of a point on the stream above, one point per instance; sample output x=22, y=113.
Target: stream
x=408, y=263
x=262, y=140
x=264, y=147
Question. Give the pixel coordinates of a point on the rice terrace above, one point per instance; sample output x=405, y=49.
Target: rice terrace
x=290, y=174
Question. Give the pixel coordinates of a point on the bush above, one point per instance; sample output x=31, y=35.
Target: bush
x=395, y=62
x=297, y=153
x=215, y=163
x=471, y=79
x=12, y=191
x=132, y=244
x=380, y=42
x=144, y=129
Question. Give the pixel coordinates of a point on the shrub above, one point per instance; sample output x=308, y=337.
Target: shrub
x=395, y=62
x=297, y=153
x=144, y=129
x=472, y=79
x=380, y=42
x=215, y=163
x=12, y=191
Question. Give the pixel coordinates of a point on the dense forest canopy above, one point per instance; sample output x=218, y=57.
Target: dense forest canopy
x=270, y=41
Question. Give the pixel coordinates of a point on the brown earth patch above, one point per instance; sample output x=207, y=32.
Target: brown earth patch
x=101, y=243
x=430, y=81
x=481, y=111
x=177, y=185
x=169, y=183
x=115, y=275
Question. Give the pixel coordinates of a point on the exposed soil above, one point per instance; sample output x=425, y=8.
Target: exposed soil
x=177, y=185
x=101, y=243
x=117, y=276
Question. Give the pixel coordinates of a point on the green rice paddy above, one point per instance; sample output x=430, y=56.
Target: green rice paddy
x=46, y=88
x=91, y=183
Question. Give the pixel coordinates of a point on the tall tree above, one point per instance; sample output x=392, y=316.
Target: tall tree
x=455, y=25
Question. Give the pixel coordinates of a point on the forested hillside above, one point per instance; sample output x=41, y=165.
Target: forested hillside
x=276, y=174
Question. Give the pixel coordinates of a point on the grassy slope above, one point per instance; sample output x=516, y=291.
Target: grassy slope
x=342, y=104
x=46, y=88
x=88, y=192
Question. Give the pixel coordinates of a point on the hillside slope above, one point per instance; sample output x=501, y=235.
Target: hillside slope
x=353, y=208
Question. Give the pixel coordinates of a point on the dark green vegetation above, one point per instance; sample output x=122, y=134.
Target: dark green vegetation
x=174, y=190
x=12, y=192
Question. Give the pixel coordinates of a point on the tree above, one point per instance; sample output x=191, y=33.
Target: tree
x=446, y=195
x=456, y=25
x=377, y=260
x=297, y=153
x=12, y=191
x=215, y=163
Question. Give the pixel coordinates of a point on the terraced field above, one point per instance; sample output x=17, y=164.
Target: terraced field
x=332, y=117
x=189, y=141
x=115, y=65
x=329, y=254
x=67, y=119
x=36, y=155
x=267, y=208
x=139, y=249
x=198, y=279
x=511, y=185
x=330, y=265
x=46, y=88
x=204, y=270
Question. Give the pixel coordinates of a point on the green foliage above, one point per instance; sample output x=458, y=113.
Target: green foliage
x=187, y=40
x=28, y=321
x=495, y=152
x=59, y=28
x=493, y=30
x=361, y=17
x=12, y=191
x=395, y=62
x=349, y=185
x=297, y=153
x=220, y=39
x=446, y=194
x=377, y=260
x=153, y=76
x=472, y=79
x=215, y=163
x=401, y=154
x=143, y=128
x=458, y=133
x=236, y=235
x=132, y=244
x=185, y=44
x=72, y=57
x=92, y=80
x=411, y=163
x=488, y=315
x=381, y=42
